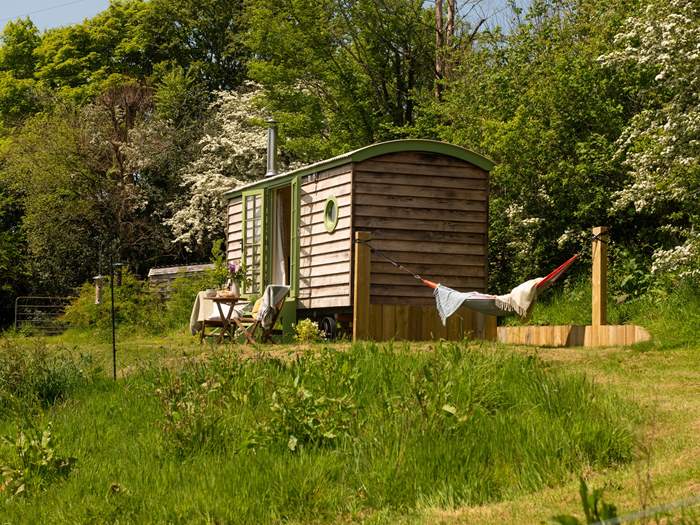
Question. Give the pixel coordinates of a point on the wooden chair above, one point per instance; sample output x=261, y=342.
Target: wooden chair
x=210, y=323
x=265, y=315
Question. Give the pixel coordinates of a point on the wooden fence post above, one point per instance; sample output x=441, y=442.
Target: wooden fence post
x=360, y=304
x=600, y=276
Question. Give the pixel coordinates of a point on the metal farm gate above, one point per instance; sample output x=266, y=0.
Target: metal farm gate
x=40, y=314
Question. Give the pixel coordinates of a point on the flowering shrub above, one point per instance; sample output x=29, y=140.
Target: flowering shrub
x=232, y=150
x=307, y=331
x=661, y=144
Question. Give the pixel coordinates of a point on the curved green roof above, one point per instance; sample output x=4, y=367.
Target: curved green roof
x=375, y=150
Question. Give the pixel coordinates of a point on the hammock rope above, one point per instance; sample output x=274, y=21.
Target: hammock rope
x=547, y=281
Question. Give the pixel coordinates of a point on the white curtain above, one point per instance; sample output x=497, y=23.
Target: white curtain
x=279, y=264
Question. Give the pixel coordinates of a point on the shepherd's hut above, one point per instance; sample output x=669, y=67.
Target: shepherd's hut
x=423, y=204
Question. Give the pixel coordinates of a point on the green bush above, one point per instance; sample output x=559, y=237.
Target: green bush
x=307, y=331
x=139, y=306
x=183, y=291
x=135, y=306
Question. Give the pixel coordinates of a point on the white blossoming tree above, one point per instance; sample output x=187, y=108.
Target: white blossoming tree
x=661, y=144
x=231, y=151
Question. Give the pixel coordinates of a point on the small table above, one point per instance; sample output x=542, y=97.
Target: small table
x=226, y=325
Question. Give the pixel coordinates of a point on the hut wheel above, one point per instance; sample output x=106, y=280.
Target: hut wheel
x=329, y=328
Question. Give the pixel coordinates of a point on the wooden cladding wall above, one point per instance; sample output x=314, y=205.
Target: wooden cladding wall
x=422, y=323
x=325, y=258
x=428, y=212
x=235, y=230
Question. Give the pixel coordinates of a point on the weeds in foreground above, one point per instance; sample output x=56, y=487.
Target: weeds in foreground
x=35, y=465
x=597, y=511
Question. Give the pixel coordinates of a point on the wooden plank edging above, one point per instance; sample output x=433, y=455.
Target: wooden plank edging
x=573, y=335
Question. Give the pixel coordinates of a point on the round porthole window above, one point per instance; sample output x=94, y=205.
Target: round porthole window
x=330, y=214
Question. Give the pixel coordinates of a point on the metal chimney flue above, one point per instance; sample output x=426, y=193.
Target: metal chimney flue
x=271, y=148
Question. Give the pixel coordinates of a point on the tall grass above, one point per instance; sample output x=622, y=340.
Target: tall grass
x=32, y=375
x=326, y=437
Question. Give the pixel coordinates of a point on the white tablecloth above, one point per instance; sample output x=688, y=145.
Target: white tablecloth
x=205, y=309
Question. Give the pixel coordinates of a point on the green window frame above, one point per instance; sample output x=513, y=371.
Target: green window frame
x=331, y=214
x=294, y=237
x=254, y=241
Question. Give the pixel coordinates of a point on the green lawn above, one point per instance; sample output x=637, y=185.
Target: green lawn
x=421, y=433
x=198, y=434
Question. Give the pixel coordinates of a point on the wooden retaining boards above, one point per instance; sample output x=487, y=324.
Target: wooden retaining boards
x=573, y=335
x=404, y=322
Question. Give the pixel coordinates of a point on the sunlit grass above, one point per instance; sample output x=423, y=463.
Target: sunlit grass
x=390, y=430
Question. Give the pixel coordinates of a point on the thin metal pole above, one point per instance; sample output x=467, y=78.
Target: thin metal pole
x=114, y=335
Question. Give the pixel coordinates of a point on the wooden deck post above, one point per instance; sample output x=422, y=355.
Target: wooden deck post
x=600, y=276
x=360, y=304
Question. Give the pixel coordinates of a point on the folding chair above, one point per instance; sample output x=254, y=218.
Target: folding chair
x=264, y=320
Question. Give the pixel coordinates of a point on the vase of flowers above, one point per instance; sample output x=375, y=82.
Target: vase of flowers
x=236, y=274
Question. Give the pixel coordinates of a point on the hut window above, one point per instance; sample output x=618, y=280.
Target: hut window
x=330, y=214
x=252, y=241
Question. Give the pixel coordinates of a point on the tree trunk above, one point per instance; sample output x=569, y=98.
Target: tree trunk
x=439, y=44
x=448, y=39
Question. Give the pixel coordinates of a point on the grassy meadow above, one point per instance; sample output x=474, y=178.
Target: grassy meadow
x=325, y=433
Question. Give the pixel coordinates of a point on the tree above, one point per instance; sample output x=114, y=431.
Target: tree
x=18, y=41
x=661, y=143
x=203, y=37
x=13, y=271
x=341, y=73
x=103, y=179
x=538, y=102
x=55, y=190
x=145, y=40
x=78, y=59
x=231, y=151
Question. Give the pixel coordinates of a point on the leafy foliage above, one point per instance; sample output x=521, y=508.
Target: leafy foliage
x=307, y=331
x=135, y=306
x=37, y=463
x=123, y=132
x=399, y=418
x=231, y=151
x=595, y=508
x=337, y=74
x=37, y=376
x=660, y=145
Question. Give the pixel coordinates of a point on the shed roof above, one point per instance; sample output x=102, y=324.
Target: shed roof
x=374, y=150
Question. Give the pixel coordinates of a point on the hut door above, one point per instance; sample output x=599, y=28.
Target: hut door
x=280, y=235
x=253, y=240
